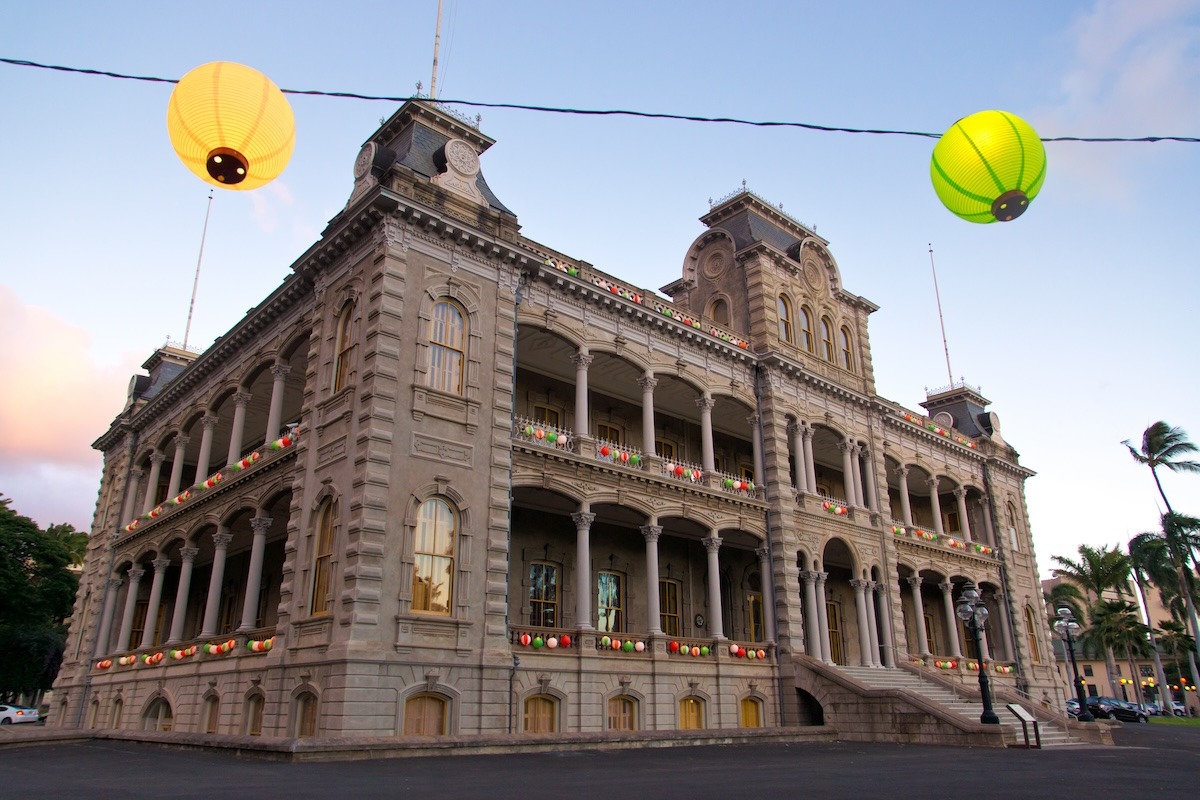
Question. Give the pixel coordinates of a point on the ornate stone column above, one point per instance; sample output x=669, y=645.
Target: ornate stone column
x=648, y=382
x=873, y=622
x=135, y=578
x=951, y=618
x=156, y=462
x=181, y=443
x=187, y=556
x=260, y=526
x=127, y=512
x=960, y=495
x=110, y=606
x=707, y=458
x=768, y=592
x=847, y=471
x=151, y=627
x=583, y=567
x=279, y=373
x=812, y=619
x=583, y=360
x=869, y=465
x=905, y=502
x=756, y=447
x=240, y=401
x=209, y=424
x=936, y=503
x=919, y=612
x=652, y=532
x=864, y=632
x=989, y=531
x=810, y=469
x=801, y=476
x=212, y=605
x=889, y=647
x=716, y=625
x=823, y=617
x=856, y=465
x=999, y=608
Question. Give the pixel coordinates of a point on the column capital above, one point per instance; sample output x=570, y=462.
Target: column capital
x=222, y=540
x=752, y=420
x=157, y=457
x=648, y=382
x=808, y=575
x=859, y=585
x=901, y=472
x=181, y=441
x=260, y=525
x=914, y=580
x=933, y=482
x=115, y=583
x=651, y=532
x=705, y=403
x=210, y=422
x=583, y=519
x=280, y=370
x=242, y=399
x=188, y=554
x=822, y=577
x=160, y=564
x=795, y=427
x=712, y=544
x=136, y=473
x=946, y=587
x=763, y=553
x=582, y=359
x=960, y=492
x=878, y=587
x=135, y=574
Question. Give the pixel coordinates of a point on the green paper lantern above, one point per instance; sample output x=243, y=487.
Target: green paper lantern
x=538, y=641
x=627, y=647
x=605, y=641
x=988, y=167
x=704, y=650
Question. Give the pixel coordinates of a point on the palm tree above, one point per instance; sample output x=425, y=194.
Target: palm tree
x=1097, y=571
x=1180, y=534
x=1116, y=626
x=1164, y=446
x=1176, y=643
x=1150, y=564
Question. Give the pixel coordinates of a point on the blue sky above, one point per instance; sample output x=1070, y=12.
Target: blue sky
x=1075, y=320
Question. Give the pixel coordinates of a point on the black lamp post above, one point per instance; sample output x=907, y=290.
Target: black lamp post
x=974, y=613
x=1067, y=627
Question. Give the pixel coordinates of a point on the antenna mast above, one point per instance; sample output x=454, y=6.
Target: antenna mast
x=437, y=39
x=941, y=320
x=196, y=281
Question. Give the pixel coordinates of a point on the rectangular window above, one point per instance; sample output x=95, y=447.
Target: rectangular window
x=139, y=624
x=746, y=473
x=546, y=414
x=1087, y=671
x=952, y=522
x=543, y=595
x=668, y=606
x=755, y=617
x=610, y=602
x=610, y=433
x=664, y=449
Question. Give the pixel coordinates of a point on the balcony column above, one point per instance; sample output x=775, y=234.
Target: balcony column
x=864, y=632
x=826, y=654
x=260, y=526
x=209, y=424
x=212, y=606
x=151, y=627
x=856, y=465
x=847, y=471
x=869, y=465
x=798, y=465
x=936, y=503
x=810, y=469
x=985, y=654
x=716, y=626
x=873, y=623
x=707, y=460
x=652, y=532
x=127, y=512
x=181, y=443
x=279, y=373
x=156, y=462
x=960, y=495
x=919, y=612
x=1000, y=605
x=889, y=647
x=240, y=401
x=756, y=446
x=989, y=531
x=583, y=566
x=187, y=557
x=582, y=360
x=110, y=605
x=951, y=618
x=768, y=592
x=131, y=592
x=905, y=502
x=812, y=627
x=648, y=382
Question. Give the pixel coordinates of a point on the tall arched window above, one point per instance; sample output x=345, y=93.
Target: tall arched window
x=719, y=311
x=322, y=589
x=212, y=714
x=784, y=310
x=253, y=714
x=847, y=350
x=827, y=341
x=1010, y=518
x=158, y=716
x=447, y=347
x=425, y=715
x=306, y=715
x=1031, y=632
x=343, y=348
x=806, y=329
x=433, y=557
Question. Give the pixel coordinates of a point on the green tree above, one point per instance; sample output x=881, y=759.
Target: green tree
x=1097, y=571
x=1117, y=627
x=1150, y=565
x=1164, y=446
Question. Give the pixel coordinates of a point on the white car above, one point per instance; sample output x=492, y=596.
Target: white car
x=14, y=714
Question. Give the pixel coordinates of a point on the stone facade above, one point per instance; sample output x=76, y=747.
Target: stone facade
x=448, y=481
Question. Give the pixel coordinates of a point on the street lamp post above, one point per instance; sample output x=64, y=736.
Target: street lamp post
x=974, y=613
x=1067, y=627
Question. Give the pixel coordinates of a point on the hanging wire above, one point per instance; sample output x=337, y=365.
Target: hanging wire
x=612, y=112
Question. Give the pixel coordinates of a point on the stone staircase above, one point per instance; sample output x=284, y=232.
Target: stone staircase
x=1052, y=734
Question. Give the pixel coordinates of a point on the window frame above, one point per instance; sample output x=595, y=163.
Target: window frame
x=538, y=606
x=343, y=346
x=622, y=713
x=610, y=432
x=783, y=309
x=847, y=343
x=423, y=702
x=670, y=615
x=540, y=708
x=605, y=621
x=806, y=329
x=448, y=376
x=827, y=345
x=429, y=559
x=323, y=551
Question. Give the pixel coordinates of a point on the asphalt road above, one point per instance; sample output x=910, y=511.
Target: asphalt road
x=1150, y=760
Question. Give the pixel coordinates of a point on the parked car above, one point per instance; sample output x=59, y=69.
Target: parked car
x=15, y=714
x=1112, y=708
x=1179, y=709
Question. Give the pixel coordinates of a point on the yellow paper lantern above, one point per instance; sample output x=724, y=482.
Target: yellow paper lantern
x=231, y=125
x=988, y=167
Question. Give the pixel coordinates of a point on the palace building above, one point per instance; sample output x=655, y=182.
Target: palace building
x=446, y=480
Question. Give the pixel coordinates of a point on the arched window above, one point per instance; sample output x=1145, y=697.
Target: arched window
x=541, y=714
x=806, y=329
x=543, y=594
x=447, y=347
x=827, y=341
x=784, y=310
x=94, y=713
x=433, y=557
x=158, y=716
x=212, y=714
x=253, y=714
x=691, y=714
x=622, y=713
x=322, y=590
x=343, y=348
x=1010, y=518
x=425, y=715
x=117, y=707
x=719, y=311
x=306, y=715
x=1031, y=632
x=847, y=350
x=751, y=712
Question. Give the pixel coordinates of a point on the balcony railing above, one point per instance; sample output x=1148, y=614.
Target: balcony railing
x=683, y=471
x=948, y=541
x=616, y=453
x=542, y=435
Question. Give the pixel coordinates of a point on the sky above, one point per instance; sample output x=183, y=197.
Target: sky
x=1073, y=319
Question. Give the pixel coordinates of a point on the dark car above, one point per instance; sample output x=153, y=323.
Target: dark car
x=1112, y=708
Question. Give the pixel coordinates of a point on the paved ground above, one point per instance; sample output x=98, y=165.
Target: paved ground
x=1150, y=760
